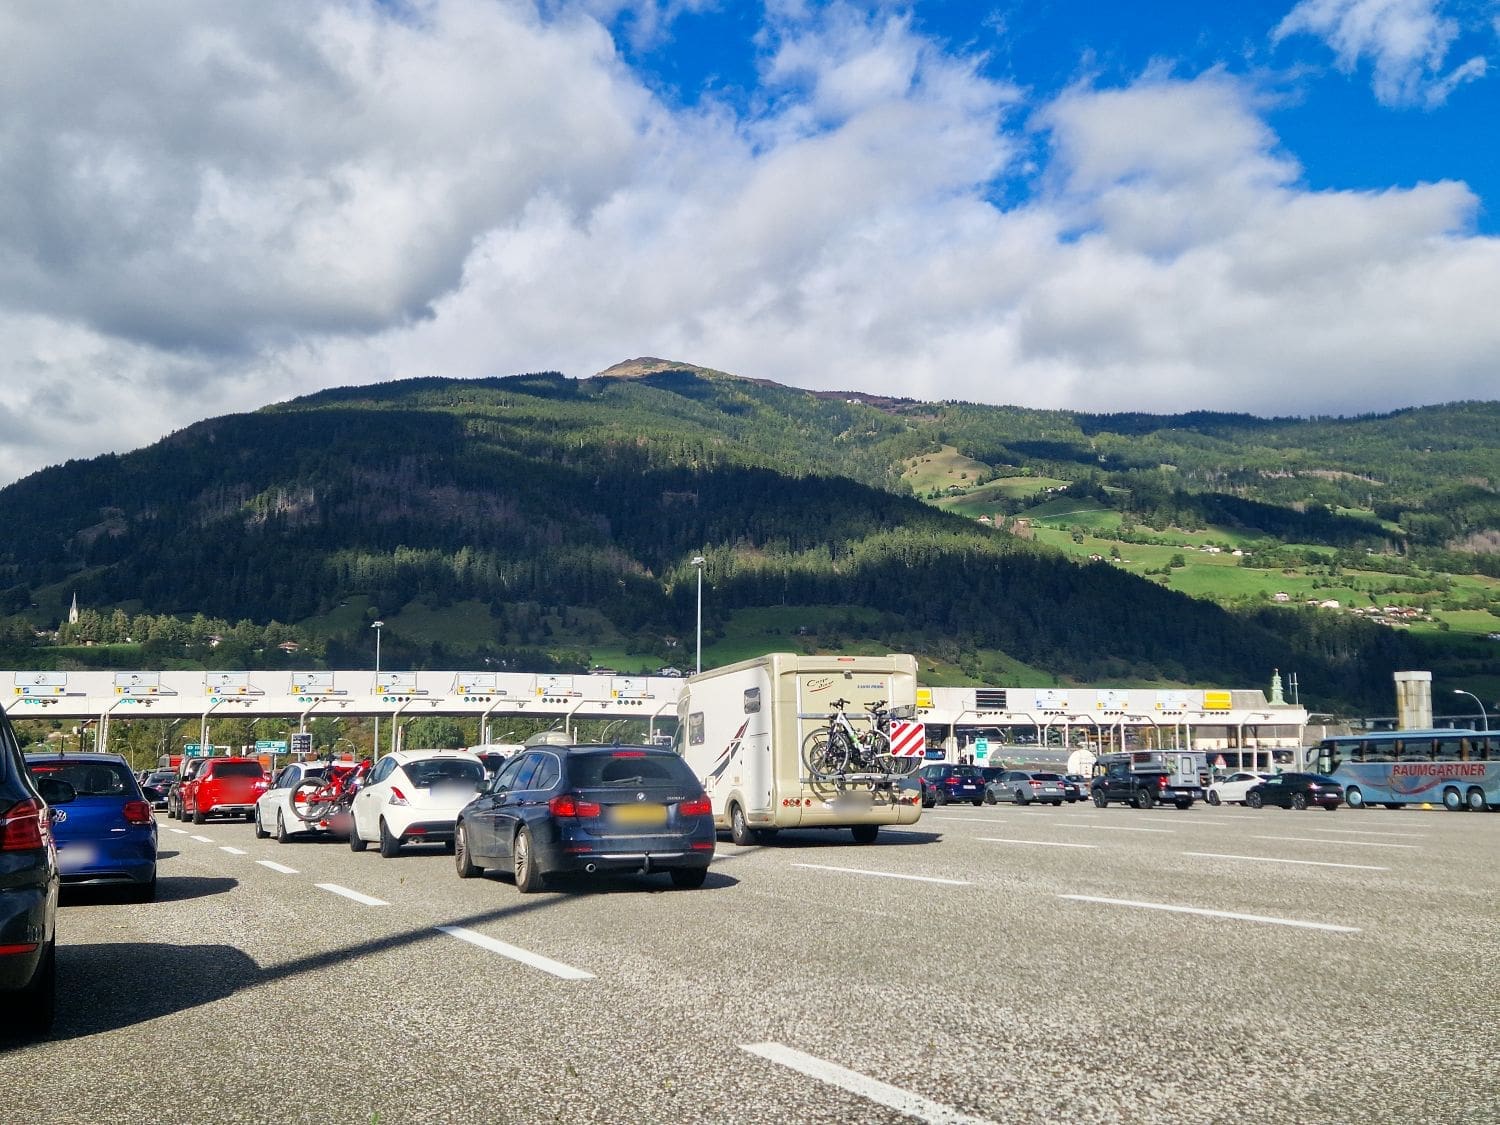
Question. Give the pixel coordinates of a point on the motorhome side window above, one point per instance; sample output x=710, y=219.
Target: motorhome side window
x=695, y=728
x=752, y=700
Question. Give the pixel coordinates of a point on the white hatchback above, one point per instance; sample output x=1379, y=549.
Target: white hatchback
x=274, y=811
x=1231, y=790
x=414, y=796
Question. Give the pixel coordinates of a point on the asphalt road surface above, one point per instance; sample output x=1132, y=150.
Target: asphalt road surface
x=987, y=964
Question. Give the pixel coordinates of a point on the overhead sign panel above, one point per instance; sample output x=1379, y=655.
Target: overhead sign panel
x=313, y=683
x=137, y=683
x=1217, y=701
x=396, y=683
x=630, y=687
x=41, y=683
x=228, y=683
x=476, y=683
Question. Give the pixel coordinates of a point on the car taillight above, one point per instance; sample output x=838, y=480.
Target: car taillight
x=702, y=806
x=397, y=797
x=1161, y=782
x=1034, y=783
x=137, y=812
x=24, y=826
x=567, y=805
x=953, y=780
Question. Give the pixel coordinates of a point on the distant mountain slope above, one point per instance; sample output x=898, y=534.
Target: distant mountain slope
x=596, y=493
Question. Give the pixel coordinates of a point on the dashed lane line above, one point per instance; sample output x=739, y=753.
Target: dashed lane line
x=884, y=874
x=1124, y=828
x=1339, y=843
x=516, y=953
x=357, y=896
x=1035, y=843
x=281, y=867
x=203, y=839
x=232, y=851
x=1298, y=862
x=861, y=1085
x=1296, y=923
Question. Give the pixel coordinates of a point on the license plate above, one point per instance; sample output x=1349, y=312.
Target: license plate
x=971, y=788
x=638, y=814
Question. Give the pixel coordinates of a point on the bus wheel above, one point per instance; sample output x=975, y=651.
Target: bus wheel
x=1451, y=800
x=1354, y=798
x=1477, y=801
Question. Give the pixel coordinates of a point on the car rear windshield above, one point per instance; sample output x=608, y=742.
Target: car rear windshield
x=1047, y=776
x=440, y=771
x=628, y=767
x=89, y=779
x=965, y=771
x=238, y=769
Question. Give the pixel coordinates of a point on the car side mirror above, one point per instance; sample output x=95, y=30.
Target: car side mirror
x=55, y=791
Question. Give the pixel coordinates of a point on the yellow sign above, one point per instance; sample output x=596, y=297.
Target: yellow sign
x=1216, y=701
x=924, y=697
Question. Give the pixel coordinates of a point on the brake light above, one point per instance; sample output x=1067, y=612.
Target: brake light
x=628, y=754
x=1161, y=782
x=24, y=827
x=397, y=797
x=137, y=812
x=567, y=805
x=701, y=806
x=701, y=846
x=1035, y=784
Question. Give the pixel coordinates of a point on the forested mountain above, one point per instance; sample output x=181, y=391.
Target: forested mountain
x=542, y=497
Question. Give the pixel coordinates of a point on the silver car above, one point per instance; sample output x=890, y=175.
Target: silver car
x=1024, y=786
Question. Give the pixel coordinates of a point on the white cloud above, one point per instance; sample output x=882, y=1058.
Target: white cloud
x=1406, y=41
x=304, y=196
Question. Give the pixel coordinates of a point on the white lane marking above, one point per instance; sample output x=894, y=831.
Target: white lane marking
x=1216, y=914
x=1339, y=843
x=367, y=900
x=516, y=953
x=274, y=866
x=871, y=1089
x=1362, y=832
x=884, y=874
x=1299, y=862
x=1037, y=843
x=232, y=851
x=1124, y=828
x=204, y=839
x=179, y=831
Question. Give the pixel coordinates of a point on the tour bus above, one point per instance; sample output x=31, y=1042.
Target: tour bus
x=1459, y=769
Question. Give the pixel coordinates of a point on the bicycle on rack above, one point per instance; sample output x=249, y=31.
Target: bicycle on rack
x=838, y=747
x=321, y=798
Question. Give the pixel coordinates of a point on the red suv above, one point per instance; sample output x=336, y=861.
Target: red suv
x=224, y=787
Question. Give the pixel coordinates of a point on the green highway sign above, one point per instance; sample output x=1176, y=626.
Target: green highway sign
x=981, y=749
x=193, y=750
x=270, y=745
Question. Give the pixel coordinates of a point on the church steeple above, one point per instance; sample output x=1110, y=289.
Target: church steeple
x=73, y=613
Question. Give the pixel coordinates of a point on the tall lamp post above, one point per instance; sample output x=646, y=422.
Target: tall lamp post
x=698, y=561
x=377, y=626
x=1485, y=715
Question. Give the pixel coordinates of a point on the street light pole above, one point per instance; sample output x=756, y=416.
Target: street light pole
x=377, y=625
x=1485, y=715
x=698, y=561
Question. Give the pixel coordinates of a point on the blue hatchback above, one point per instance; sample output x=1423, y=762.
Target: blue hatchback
x=107, y=834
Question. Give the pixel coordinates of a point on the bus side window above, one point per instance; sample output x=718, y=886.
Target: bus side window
x=1382, y=751
x=1452, y=750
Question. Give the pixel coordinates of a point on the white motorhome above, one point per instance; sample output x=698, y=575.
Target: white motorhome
x=741, y=729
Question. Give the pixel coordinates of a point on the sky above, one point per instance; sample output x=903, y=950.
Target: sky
x=1280, y=208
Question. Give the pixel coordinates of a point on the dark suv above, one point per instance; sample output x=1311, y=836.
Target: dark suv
x=943, y=782
x=28, y=892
